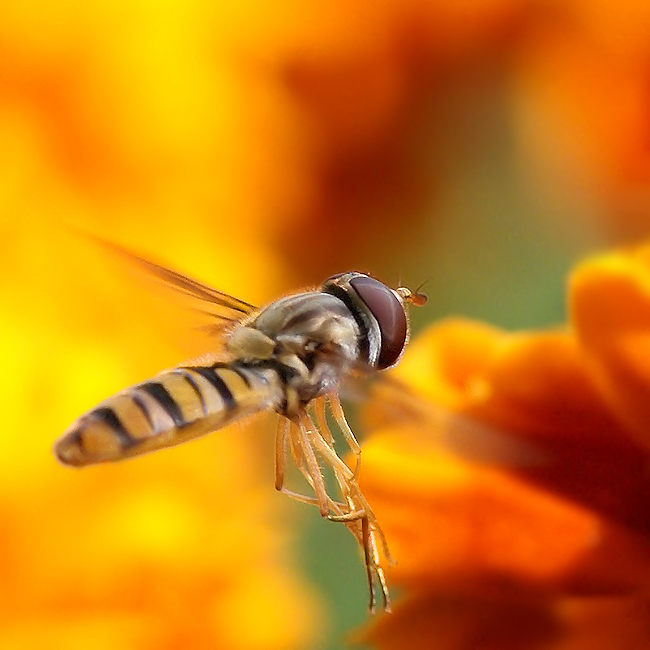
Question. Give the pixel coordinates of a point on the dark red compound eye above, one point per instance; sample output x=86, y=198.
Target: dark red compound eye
x=389, y=314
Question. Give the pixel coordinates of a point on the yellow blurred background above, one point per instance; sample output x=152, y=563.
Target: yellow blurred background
x=260, y=147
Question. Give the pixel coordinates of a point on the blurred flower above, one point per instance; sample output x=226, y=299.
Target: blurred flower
x=232, y=142
x=119, y=118
x=521, y=519
x=266, y=145
x=284, y=125
x=582, y=105
x=186, y=548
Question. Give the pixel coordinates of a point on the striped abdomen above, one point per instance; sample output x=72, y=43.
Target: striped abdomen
x=171, y=408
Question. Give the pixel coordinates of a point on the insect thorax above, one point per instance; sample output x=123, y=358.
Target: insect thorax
x=311, y=338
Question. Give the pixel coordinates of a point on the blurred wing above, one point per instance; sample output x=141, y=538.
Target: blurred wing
x=389, y=402
x=217, y=305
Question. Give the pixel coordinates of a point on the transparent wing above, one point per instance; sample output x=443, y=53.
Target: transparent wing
x=386, y=401
x=216, y=304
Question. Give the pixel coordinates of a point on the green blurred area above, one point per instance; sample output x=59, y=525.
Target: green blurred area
x=492, y=246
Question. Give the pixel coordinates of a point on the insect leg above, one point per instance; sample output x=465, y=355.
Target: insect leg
x=304, y=440
x=281, y=451
x=324, y=449
x=379, y=572
x=365, y=536
x=284, y=427
x=347, y=484
x=324, y=430
x=358, y=518
x=363, y=505
x=353, y=443
x=353, y=515
x=343, y=474
x=373, y=566
x=312, y=501
x=321, y=420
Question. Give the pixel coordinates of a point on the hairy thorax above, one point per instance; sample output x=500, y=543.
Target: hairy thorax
x=311, y=338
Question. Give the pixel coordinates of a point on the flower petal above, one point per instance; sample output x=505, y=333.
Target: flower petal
x=461, y=526
x=429, y=620
x=610, y=310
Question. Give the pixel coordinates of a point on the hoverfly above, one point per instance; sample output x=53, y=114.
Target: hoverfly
x=289, y=356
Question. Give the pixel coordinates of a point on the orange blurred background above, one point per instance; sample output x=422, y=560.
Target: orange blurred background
x=483, y=146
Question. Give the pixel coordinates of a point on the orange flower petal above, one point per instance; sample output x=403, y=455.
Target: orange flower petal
x=534, y=383
x=610, y=310
x=460, y=526
x=447, y=623
x=534, y=387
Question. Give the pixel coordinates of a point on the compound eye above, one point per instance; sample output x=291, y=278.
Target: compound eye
x=389, y=314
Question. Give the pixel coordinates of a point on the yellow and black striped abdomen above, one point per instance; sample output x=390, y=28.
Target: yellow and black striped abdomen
x=171, y=408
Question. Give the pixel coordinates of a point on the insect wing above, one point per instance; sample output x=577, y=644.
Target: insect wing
x=387, y=401
x=214, y=303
